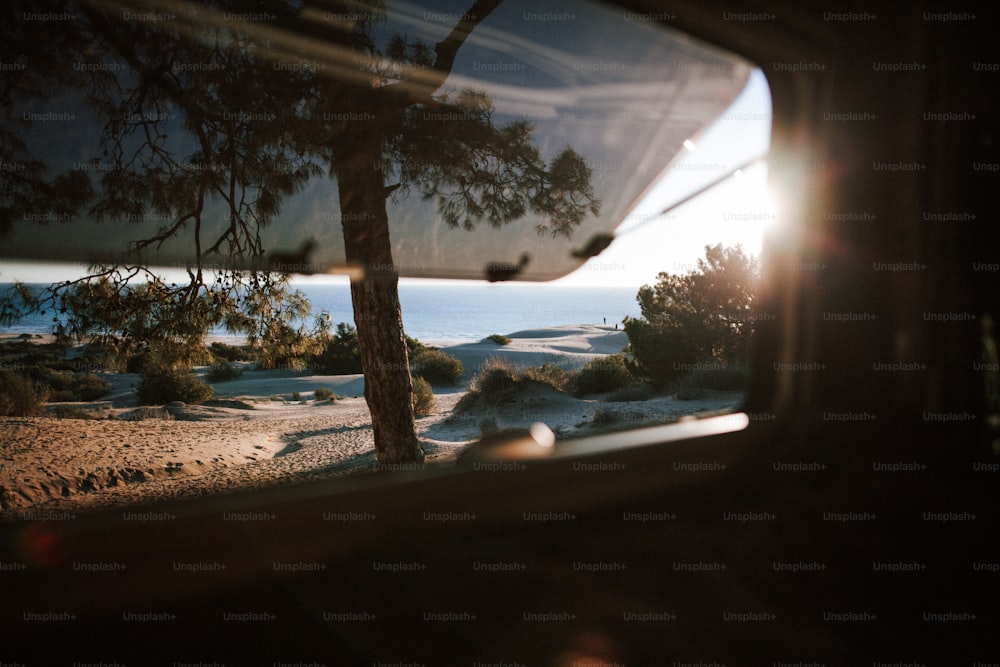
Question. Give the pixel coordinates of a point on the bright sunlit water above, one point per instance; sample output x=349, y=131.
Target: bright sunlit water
x=460, y=312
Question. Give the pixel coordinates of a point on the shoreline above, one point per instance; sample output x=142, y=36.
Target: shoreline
x=448, y=312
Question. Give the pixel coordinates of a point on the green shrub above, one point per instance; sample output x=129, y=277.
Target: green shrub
x=67, y=412
x=290, y=349
x=437, y=367
x=550, y=374
x=340, y=354
x=498, y=376
x=62, y=396
x=495, y=375
x=423, y=396
x=136, y=363
x=499, y=339
x=59, y=382
x=19, y=396
x=602, y=375
x=322, y=393
x=166, y=356
x=703, y=316
x=142, y=414
x=89, y=387
x=223, y=372
x=413, y=346
x=66, y=387
x=165, y=385
x=227, y=352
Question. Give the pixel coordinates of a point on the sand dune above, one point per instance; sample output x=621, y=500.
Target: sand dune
x=183, y=450
x=256, y=383
x=569, y=347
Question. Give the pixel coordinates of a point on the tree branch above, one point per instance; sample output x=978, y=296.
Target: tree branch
x=430, y=80
x=446, y=50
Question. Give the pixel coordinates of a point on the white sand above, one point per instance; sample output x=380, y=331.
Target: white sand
x=569, y=347
x=253, y=434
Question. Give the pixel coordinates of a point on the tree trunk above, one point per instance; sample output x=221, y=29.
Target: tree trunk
x=377, y=314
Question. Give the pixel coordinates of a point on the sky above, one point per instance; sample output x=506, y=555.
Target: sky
x=736, y=211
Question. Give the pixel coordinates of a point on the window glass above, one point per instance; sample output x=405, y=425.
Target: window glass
x=196, y=157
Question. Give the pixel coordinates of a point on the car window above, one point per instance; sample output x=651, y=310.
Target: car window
x=192, y=157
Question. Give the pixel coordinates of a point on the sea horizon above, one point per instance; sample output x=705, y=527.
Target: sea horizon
x=461, y=312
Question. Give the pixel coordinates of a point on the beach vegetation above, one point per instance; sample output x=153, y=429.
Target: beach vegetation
x=26, y=354
x=551, y=374
x=271, y=331
x=601, y=375
x=224, y=372
x=702, y=318
x=62, y=380
x=61, y=396
x=437, y=367
x=226, y=352
x=146, y=412
x=495, y=375
x=89, y=387
x=498, y=373
x=413, y=346
x=20, y=396
x=498, y=377
x=70, y=412
x=423, y=396
x=166, y=384
x=499, y=339
x=136, y=362
x=340, y=354
x=65, y=386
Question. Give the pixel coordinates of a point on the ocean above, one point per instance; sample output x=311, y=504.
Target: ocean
x=460, y=312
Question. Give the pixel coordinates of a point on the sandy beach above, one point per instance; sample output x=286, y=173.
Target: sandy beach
x=267, y=428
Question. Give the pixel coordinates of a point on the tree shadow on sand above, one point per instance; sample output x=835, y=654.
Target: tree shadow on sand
x=293, y=440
